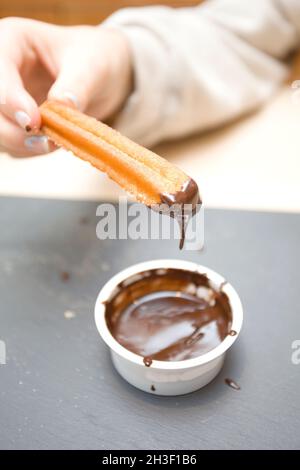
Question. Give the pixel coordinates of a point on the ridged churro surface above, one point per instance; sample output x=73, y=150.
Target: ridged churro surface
x=142, y=173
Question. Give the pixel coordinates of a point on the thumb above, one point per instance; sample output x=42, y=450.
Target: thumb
x=77, y=80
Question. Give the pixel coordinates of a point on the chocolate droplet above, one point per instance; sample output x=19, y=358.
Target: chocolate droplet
x=84, y=220
x=147, y=361
x=65, y=276
x=231, y=383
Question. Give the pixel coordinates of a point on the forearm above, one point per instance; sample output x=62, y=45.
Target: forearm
x=196, y=68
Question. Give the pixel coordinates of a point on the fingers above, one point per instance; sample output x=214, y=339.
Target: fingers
x=16, y=103
x=18, y=143
x=80, y=71
x=71, y=86
x=19, y=113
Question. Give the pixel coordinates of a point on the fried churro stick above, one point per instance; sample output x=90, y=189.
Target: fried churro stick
x=148, y=177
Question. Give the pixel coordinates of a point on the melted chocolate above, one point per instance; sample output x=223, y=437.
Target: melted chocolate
x=168, y=315
x=231, y=383
x=188, y=195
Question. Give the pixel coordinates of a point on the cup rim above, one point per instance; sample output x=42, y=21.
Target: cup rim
x=216, y=279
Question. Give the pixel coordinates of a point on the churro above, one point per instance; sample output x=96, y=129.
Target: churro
x=142, y=173
x=148, y=177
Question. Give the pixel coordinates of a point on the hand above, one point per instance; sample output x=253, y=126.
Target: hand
x=87, y=66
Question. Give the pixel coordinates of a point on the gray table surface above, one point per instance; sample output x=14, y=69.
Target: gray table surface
x=58, y=389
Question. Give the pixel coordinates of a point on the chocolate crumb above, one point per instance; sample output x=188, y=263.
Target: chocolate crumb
x=28, y=128
x=153, y=388
x=65, y=276
x=84, y=220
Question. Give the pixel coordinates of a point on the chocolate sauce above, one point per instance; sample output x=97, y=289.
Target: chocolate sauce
x=168, y=315
x=231, y=383
x=183, y=204
x=182, y=225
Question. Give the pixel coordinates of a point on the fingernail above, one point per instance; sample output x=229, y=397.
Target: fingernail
x=68, y=95
x=23, y=120
x=73, y=98
x=37, y=143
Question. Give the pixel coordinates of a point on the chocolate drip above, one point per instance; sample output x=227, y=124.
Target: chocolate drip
x=188, y=195
x=169, y=315
x=182, y=226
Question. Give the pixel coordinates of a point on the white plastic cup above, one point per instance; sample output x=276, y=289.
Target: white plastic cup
x=168, y=377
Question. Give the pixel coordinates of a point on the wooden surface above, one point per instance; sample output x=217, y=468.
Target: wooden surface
x=76, y=11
